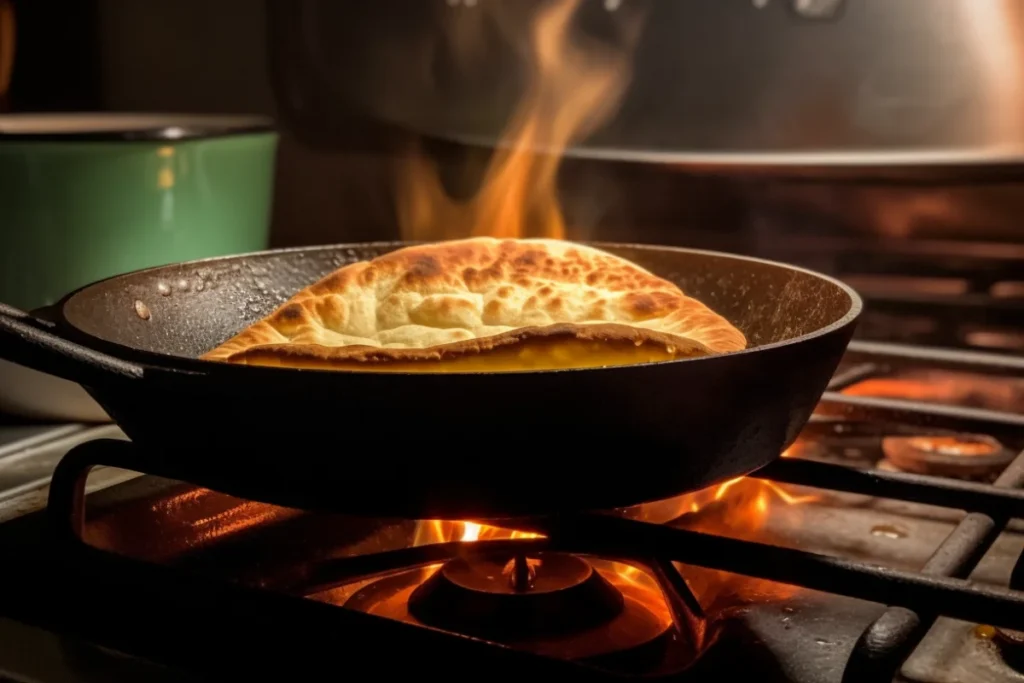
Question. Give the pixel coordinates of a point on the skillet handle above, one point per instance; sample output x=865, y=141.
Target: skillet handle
x=34, y=343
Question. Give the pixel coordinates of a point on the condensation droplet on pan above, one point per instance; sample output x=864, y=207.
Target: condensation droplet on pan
x=200, y=286
x=142, y=310
x=182, y=285
x=163, y=289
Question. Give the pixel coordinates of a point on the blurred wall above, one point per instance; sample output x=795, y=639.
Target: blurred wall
x=196, y=55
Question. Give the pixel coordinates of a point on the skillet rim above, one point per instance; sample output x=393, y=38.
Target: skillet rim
x=196, y=365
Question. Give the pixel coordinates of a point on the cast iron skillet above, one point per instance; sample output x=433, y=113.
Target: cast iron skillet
x=439, y=445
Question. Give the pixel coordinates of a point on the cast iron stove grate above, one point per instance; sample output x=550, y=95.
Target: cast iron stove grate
x=917, y=598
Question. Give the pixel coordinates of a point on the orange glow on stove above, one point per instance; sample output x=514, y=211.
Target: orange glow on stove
x=946, y=387
x=738, y=508
x=724, y=488
x=787, y=497
x=440, y=531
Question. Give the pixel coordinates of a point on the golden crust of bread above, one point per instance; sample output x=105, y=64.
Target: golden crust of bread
x=473, y=297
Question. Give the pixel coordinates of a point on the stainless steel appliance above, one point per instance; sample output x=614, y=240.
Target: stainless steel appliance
x=768, y=81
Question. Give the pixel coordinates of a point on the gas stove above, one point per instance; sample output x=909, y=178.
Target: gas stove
x=850, y=559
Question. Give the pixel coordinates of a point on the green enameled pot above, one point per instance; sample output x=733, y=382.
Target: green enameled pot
x=87, y=196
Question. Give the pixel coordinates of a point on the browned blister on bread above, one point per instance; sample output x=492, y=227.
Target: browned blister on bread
x=523, y=304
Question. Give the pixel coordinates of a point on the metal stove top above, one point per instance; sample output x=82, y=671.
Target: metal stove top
x=196, y=584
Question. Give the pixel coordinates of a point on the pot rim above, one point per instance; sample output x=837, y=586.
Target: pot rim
x=127, y=126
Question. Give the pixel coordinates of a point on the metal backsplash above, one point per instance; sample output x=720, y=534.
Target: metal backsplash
x=733, y=76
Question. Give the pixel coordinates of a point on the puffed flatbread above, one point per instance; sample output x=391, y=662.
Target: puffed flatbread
x=484, y=304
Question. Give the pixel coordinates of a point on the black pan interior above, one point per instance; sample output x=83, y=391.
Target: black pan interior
x=187, y=309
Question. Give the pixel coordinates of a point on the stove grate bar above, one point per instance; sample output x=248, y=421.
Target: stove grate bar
x=903, y=355
x=852, y=375
x=904, y=413
x=960, y=599
x=887, y=643
x=1017, y=575
x=997, y=501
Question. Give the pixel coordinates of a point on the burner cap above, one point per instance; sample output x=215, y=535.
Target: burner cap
x=515, y=597
x=605, y=612
x=964, y=456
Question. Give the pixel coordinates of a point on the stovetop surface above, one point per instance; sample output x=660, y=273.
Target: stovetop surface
x=772, y=631
x=195, y=592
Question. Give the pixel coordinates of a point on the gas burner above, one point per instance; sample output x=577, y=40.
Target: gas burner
x=961, y=456
x=1011, y=646
x=549, y=603
x=509, y=599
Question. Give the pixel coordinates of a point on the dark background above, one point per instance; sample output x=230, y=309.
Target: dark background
x=194, y=56
x=215, y=56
